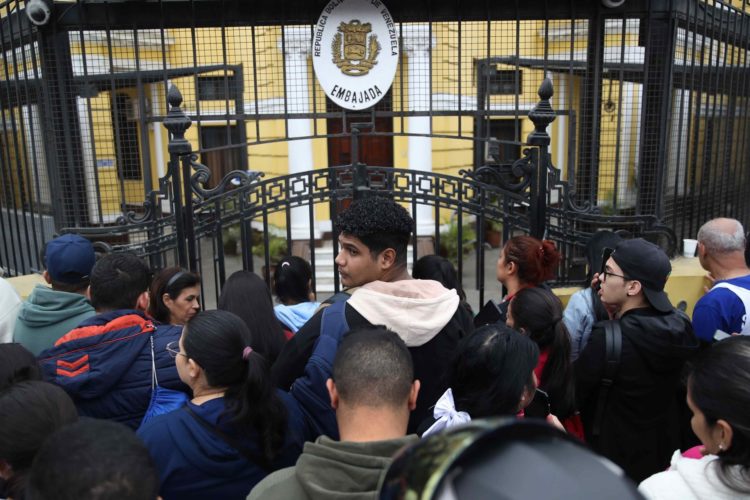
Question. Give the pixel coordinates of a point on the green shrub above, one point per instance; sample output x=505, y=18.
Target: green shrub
x=449, y=241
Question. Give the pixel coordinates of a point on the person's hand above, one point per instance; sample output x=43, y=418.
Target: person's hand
x=595, y=281
x=711, y=281
x=555, y=422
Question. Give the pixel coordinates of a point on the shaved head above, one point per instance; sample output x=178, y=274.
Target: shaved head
x=373, y=367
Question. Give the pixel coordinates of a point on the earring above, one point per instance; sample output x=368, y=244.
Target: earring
x=721, y=447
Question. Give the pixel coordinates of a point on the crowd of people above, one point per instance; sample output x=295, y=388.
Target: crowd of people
x=116, y=384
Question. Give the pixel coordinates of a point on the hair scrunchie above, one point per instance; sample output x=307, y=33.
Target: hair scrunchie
x=246, y=352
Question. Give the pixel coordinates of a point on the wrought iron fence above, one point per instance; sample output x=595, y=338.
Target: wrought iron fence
x=649, y=130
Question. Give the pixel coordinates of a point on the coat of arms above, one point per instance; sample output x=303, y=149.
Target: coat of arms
x=360, y=52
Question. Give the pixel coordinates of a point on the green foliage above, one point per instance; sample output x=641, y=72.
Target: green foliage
x=494, y=225
x=231, y=239
x=277, y=247
x=449, y=241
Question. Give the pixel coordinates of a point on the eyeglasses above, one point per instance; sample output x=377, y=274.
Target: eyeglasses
x=173, y=348
x=607, y=273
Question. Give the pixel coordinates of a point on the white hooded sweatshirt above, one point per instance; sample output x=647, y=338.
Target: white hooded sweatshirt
x=416, y=309
x=689, y=479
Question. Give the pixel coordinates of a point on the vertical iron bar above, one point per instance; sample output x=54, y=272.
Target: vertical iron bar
x=119, y=154
x=20, y=184
x=542, y=115
x=590, y=136
x=177, y=122
x=186, y=160
x=5, y=213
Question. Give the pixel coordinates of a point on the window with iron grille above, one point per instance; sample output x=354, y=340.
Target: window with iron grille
x=215, y=88
x=503, y=82
x=221, y=161
x=126, y=131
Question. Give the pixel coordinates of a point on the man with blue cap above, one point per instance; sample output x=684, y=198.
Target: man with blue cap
x=50, y=313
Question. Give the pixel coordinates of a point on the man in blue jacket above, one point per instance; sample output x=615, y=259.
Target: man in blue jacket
x=105, y=364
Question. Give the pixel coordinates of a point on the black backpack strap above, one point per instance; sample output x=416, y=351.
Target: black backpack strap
x=613, y=353
x=250, y=457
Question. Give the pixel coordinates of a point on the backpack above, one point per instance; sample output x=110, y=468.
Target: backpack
x=310, y=390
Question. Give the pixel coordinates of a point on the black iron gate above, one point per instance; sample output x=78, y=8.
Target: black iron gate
x=650, y=127
x=517, y=195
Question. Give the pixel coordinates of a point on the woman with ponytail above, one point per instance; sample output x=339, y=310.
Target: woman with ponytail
x=237, y=428
x=292, y=285
x=524, y=262
x=538, y=313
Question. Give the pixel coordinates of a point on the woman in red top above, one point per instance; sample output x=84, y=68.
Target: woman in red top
x=538, y=313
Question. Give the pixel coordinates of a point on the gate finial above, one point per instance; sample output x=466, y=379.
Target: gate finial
x=542, y=115
x=177, y=122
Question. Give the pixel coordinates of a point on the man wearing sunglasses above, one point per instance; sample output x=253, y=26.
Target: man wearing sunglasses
x=636, y=422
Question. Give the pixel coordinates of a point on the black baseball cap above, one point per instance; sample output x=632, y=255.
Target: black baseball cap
x=643, y=261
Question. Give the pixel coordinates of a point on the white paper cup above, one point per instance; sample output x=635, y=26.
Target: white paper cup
x=688, y=247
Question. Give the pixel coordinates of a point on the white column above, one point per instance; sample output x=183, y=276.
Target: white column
x=296, y=46
x=417, y=44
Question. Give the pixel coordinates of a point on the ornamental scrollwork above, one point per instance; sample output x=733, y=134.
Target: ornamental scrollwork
x=201, y=175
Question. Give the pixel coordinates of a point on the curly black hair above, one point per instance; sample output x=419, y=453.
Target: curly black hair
x=379, y=223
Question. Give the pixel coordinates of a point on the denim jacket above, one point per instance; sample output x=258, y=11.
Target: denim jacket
x=579, y=318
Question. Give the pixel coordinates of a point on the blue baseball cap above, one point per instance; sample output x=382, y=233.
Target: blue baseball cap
x=69, y=258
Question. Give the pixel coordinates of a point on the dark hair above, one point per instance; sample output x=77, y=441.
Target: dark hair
x=291, y=280
x=594, y=249
x=172, y=281
x=216, y=341
x=379, y=223
x=491, y=370
x=95, y=460
x=717, y=385
x=17, y=364
x=536, y=259
x=117, y=280
x=435, y=267
x=246, y=295
x=30, y=411
x=539, y=313
x=373, y=367
x=79, y=287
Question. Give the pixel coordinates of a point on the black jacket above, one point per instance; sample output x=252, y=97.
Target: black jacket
x=640, y=428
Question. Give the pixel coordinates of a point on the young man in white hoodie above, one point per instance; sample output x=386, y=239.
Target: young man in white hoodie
x=374, y=234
